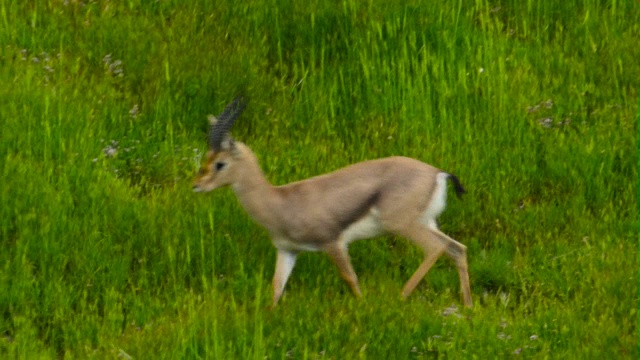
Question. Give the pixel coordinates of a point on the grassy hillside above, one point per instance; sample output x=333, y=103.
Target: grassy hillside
x=105, y=252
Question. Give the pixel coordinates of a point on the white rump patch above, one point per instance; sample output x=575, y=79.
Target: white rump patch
x=438, y=201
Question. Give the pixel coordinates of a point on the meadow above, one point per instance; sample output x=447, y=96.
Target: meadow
x=105, y=251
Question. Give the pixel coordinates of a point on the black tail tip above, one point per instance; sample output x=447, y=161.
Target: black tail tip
x=457, y=185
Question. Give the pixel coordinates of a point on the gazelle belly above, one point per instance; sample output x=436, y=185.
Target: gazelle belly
x=367, y=227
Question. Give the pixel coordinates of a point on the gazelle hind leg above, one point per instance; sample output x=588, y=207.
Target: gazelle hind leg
x=458, y=253
x=432, y=247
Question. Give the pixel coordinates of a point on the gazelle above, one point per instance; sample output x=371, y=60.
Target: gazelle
x=326, y=213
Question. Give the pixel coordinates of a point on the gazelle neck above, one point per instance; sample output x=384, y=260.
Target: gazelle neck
x=258, y=197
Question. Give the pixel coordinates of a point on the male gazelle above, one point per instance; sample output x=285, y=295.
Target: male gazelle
x=398, y=195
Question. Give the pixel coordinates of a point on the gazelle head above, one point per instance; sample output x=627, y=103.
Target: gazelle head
x=219, y=168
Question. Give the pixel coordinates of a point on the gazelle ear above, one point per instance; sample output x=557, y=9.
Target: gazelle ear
x=228, y=144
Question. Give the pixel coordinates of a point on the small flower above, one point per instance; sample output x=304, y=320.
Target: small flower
x=566, y=121
x=134, y=111
x=548, y=104
x=546, y=122
x=451, y=310
x=109, y=151
x=116, y=68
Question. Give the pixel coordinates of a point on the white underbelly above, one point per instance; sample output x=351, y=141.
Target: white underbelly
x=365, y=228
x=285, y=244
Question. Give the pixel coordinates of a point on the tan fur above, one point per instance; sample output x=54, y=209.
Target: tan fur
x=327, y=212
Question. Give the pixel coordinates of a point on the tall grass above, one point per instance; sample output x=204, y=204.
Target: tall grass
x=105, y=251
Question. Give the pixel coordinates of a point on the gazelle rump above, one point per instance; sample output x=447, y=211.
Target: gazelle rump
x=397, y=195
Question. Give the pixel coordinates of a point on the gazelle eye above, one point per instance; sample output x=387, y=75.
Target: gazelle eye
x=219, y=165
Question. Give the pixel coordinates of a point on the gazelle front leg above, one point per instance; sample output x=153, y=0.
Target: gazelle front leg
x=284, y=265
x=340, y=256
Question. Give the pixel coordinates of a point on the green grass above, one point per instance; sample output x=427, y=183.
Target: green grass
x=533, y=104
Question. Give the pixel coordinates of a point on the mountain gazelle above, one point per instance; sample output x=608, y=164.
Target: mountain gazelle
x=398, y=195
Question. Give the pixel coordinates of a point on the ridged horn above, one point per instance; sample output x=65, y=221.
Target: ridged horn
x=220, y=129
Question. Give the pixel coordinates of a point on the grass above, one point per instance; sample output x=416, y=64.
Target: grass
x=105, y=252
